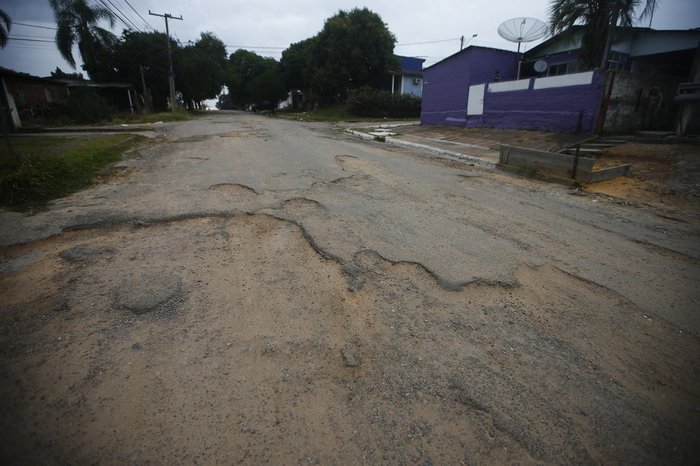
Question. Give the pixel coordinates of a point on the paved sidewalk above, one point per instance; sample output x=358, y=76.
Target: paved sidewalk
x=480, y=145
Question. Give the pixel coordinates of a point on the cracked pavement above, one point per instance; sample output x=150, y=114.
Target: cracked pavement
x=260, y=290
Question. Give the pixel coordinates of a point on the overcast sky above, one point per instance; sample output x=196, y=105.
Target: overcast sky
x=268, y=26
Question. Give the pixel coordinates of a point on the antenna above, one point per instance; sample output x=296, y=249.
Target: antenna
x=522, y=30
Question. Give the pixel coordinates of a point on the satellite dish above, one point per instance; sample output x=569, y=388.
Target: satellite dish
x=522, y=30
x=540, y=66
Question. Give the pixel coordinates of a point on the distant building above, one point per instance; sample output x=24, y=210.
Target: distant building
x=409, y=79
x=33, y=97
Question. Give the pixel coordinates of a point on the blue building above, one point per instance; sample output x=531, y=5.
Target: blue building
x=408, y=80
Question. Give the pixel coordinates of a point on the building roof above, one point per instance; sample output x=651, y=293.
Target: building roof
x=68, y=82
x=572, y=36
x=470, y=48
x=410, y=63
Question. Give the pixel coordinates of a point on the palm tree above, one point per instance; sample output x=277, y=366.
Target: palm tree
x=599, y=18
x=77, y=22
x=4, y=28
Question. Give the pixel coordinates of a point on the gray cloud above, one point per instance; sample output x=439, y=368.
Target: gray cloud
x=277, y=23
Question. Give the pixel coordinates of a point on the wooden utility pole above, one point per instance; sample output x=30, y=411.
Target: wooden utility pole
x=167, y=16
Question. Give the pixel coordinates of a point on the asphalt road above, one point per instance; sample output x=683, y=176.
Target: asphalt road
x=259, y=290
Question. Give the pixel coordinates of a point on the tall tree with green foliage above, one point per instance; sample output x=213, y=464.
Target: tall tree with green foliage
x=5, y=26
x=296, y=63
x=78, y=23
x=599, y=19
x=136, y=50
x=200, y=70
x=354, y=49
x=252, y=79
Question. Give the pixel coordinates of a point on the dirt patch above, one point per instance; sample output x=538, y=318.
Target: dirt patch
x=274, y=358
x=660, y=174
x=492, y=138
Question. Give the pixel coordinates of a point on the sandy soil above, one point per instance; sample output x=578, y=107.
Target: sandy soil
x=661, y=174
x=364, y=306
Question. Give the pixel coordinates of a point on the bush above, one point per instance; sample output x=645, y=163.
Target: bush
x=23, y=181
x=86, y=106
x=370, y=102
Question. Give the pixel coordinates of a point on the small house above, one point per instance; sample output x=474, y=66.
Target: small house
x=409, y=79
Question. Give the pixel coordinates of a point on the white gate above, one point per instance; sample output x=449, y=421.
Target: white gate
x=475, y=102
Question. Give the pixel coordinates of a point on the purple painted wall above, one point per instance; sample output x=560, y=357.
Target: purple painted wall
x=446, y=89
x=562, y=109
x=446, y=84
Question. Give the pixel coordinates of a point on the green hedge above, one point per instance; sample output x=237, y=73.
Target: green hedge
x=370, y=102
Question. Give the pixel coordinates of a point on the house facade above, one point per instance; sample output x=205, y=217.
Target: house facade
x=409, y=80
x=35, y=98
x=446, y=89
x=479, y=86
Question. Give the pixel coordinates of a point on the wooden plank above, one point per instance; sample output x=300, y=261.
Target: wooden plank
x=530, y=159
x=606, y=173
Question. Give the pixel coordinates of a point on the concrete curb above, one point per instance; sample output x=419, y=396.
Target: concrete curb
x=488, y=164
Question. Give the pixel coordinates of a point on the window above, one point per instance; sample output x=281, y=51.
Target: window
x=556, y=70
x=616, y=61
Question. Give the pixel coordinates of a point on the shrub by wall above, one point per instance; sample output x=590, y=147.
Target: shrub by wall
x=370, y=102
x=86, y=106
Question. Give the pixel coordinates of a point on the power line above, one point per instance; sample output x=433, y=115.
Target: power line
x=127, y=17
x=129, y=26
x=33, y=25
x=30, y=40
x=139, y=15
x=254, y=47
x=428, y=42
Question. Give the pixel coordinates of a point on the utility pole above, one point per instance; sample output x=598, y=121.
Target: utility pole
x=461, y=41
x=167, y=16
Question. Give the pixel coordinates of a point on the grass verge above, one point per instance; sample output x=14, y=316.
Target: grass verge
x=335, y=113
x=51, y=167
x=135, y=119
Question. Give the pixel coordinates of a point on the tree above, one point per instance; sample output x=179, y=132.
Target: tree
x=137, y=50
x=198, y=76
x=268, y=88
x=4, y=28
x=243, y=67
x=59, y=73
x=353, y=49
x=599, y=18
x=296, y=63
x=200, y=69
x=212, y=46
x=77, y=22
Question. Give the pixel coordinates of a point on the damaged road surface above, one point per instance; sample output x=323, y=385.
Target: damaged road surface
x=259, y=290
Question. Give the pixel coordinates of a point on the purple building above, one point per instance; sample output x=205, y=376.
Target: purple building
x=446, y=83
x=477, y=87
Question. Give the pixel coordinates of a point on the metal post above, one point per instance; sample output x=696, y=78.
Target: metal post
x=146, y=97
x=171, y=78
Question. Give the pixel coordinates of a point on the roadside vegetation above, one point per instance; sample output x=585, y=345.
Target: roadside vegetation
x=332, y=113
x=165, y=117
x=46, y=168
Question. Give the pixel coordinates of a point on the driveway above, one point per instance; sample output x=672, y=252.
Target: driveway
x=259, y=290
